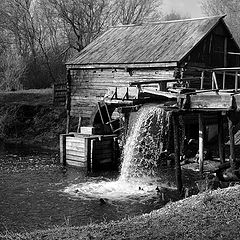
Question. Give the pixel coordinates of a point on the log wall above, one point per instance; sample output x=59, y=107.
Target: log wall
x=90, y=85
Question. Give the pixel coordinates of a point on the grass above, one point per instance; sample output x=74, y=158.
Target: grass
x=30, y=97
x=210, y=215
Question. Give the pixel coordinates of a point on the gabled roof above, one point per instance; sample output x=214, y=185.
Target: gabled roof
x=159, y=42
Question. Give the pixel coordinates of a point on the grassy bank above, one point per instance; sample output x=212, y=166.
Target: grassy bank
x=29, y=117
x=210, y=215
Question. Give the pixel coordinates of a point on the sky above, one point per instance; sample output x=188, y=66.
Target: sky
x=189, y=7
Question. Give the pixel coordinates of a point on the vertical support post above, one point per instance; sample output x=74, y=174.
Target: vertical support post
x=212, y=81
x=224, y=80
x=68, y=100
x=63, y=149
x=236, y=81
x=178, y=171
x=225, y=52
x=88, y=154
x=202, y=79
x=232, y=157
x=201, y=142
x=221, y=144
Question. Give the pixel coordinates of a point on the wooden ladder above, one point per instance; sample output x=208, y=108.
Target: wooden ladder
x=109, y=120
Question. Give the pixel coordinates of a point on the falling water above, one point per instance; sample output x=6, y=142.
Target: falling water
x=141, y=155
x=145, y=143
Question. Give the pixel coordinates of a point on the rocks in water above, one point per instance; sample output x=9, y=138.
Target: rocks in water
x=102, y=201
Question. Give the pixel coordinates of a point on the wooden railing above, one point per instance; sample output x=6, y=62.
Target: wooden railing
x=59, y=94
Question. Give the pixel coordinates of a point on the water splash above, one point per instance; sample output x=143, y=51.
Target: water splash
x=144, y=144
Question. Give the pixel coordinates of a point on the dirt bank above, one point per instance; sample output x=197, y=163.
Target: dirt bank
x=210, y=215
x=29, y=117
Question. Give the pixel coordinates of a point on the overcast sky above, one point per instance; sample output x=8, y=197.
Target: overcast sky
x=189, y=7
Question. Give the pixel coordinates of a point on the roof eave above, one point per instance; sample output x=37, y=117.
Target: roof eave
x=171, y=64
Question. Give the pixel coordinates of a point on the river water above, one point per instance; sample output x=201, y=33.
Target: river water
x=34, y=193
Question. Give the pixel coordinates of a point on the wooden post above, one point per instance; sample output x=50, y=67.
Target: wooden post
x=236, y=81
x=201, y=137
x=88, y=153
x=63, y=149
x=178, y=172
x=221, y=144
x=225, y=52
x=68, y=100
x=224, y=80
x=232, y=158
x=202, y=78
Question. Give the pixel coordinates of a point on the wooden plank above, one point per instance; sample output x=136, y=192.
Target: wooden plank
x=210, y=101
x=76, y=163
x=75, y=158
x=102, y=155
x=123, y=66
x=79, y=140
x=106, y=160
x=103, y=151
x=75, y=152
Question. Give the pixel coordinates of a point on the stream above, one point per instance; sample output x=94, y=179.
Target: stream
x=36, y=193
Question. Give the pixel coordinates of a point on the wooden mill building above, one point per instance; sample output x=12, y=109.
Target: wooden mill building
x=192, y=62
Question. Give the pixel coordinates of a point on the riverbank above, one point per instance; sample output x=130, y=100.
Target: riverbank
x=210, y=215
x=29, y=117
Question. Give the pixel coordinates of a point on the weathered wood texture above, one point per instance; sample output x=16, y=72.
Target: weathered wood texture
x=147, y=43
x=76, y=151
x=89, y=151
x=59, y=94
x=211, y=101
x=89, y=86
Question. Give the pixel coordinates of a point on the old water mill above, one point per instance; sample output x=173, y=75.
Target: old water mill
x=159, y=102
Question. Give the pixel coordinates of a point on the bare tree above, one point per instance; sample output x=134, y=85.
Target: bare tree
x=135, y=11
x=173, y=15
x=229, y=7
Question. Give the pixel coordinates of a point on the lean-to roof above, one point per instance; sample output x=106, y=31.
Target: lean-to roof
x=159, y=42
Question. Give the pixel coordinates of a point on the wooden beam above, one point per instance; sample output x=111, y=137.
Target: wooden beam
x=224, y=79
x=121, y=65
x=202, y=79
x=201, y=141
x=225, y=52
x=68, y=100
x=232, y=157
x=178, y=171
x=236, y=80
x=221, y=144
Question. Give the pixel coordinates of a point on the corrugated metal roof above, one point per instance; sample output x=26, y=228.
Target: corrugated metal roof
x=147, y=43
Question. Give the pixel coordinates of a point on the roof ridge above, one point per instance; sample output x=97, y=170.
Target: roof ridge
x=170, y=21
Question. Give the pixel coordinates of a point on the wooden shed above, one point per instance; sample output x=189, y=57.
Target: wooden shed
x=132, y=64
x=157, y=52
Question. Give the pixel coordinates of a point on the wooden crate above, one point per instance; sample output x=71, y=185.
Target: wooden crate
x=92, y=152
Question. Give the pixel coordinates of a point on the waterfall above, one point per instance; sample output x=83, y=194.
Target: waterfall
x=145, y=143
x=147, y=138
